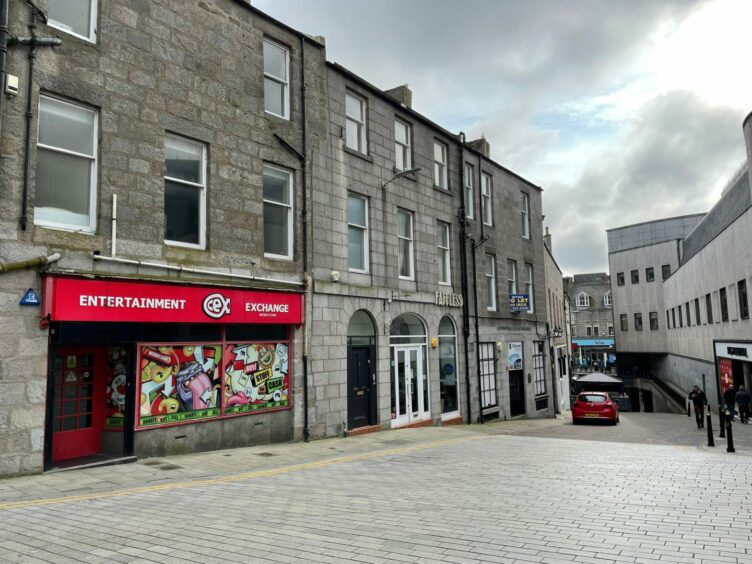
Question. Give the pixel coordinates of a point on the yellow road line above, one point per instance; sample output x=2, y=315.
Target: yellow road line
x=236, y=477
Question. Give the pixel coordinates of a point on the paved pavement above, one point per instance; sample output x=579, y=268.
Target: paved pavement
x=522, y=491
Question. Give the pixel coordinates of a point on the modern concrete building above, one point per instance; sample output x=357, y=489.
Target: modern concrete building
x=560, y=342
x=592, y=320
x=697, y=328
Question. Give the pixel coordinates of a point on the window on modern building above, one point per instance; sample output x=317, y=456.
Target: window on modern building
x=529, y=289
x=357, y=233
x=620, y=279
x=511, y=277
x=442, y=254
x=709, y=307
x=610, y=330
x=356, y=129
x=583, y=300
x=668, y=320
x=724, y=305
x=491, y=282
x=278, y=219
x=405, y=244
x=185, y=192
x=403, y=145
x=486, y=199
x=607, y=299
x=469, y=190
x=741, y=288
x=635, y=275
x=624, y=322
x=66, y=189
x=697, y=312
x=276, y=79
x=440, y=179
x=525, y=213
x=681, y=316
x=649, y=274
x=638, y=322
x=665, y=271
x=596, y=330
x=653, y=315
x=689, y=318
x=673, y=317
x=77, y=17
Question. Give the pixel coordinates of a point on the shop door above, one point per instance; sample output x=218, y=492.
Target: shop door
x=78, y=402
x=516, y=392
x=360, y=380
x=411, y=385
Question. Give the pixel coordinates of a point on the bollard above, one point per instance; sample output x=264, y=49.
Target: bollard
x=729, y=435
x=721, y=423
x=689, y=412
x=711, y=442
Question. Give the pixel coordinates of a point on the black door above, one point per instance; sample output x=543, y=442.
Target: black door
x=361, y=398
x=516, y=392
x=647, y=401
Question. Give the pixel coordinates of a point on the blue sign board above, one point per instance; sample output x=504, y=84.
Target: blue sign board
x=30, y=298
x=519, y=302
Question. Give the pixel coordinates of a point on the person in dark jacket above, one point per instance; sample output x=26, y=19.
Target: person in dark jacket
x=742, y=400
x=697, y=396
x=729, y=398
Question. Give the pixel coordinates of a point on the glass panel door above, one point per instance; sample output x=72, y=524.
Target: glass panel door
x=415, y=385
x=402, y=368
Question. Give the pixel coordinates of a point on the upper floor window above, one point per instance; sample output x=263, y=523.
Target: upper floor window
x=402, y=145
x=486, y=199
x=469, y=190
x=638, y=321
x=491, y=282
x=673, y=317
x=596, y=330
x=511, y=277
x=681, y=316
x=610, y=330
x=620, y=279
x=624, y=322
x=277, y=213
x=442, y=255
x=440, y=179
x=357, y=233
x=649, y=274
x=635, y=275
x=668, y=320
x=525, y=213
x=665, y=271
x=724, y=305
x=741, y=287
x=529, y=287
x=588, y=330
x=653, y=320
x=66, y=190
x=607, y=299
x=276, y=79
x=185, y=192
x=405, y=244
x=583, y=300
x=77, y=17
x=709, y=307
x=697, y=311
x=686, y=310
x=356, y=130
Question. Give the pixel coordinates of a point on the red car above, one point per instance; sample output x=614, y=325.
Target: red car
x=594, y=405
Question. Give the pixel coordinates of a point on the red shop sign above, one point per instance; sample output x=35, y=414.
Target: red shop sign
x=75, y=299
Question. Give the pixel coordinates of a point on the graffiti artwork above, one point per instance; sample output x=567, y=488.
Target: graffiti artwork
x=256, y=377
x=179, y=383
x=114, y=411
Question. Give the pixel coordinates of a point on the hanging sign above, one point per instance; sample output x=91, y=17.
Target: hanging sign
x=31, y=298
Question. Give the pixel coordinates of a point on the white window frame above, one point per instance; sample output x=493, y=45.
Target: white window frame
x=290, y=211
x=607, y=301
x=444, y=255
x=440, y=180
x=610, y=330
x=491, y=301
x=525, y=213
x=361, y=122
x=469, y=190
x=411, y=239
x=529, y=288
x=486, y=198
x=202, y=195
x=284, y=82
x=406, y=150
x=364, y=229
x=92, y=37
x=583, y=300
x=93, y=192
x=513, y=277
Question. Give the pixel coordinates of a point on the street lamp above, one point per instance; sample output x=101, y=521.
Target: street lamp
x=399, y=175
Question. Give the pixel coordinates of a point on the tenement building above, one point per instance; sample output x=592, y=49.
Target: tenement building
x=558, y=328
x=592, y=320
x=210, y=237
x=691, y=277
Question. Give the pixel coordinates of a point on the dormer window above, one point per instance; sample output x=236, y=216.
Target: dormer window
x=607, y=299
x=583, y=300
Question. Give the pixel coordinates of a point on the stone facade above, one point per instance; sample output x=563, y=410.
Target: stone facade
x=560, y=346
x=592, y=317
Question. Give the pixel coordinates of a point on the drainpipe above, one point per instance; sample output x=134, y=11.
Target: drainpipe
x=3, y=56
x=304, y=213
x=31, y=263
x=474, y=247
x=463, y=272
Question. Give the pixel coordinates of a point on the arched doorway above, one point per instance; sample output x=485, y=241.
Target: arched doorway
x=448, y=382
x=409, y=370
x=361, y=371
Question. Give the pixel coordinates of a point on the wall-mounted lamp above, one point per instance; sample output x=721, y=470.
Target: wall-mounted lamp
x=399, y=175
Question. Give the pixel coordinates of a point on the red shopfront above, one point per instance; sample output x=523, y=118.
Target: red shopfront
x=135, y=367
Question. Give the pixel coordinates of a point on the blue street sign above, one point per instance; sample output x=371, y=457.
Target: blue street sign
x=30, y=298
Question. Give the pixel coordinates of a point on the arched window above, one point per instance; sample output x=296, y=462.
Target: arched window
x=407, y=329
x=583, y=300
x=361, y=330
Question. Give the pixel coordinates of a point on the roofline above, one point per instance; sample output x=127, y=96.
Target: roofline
x=247, y=5
x=420, y=117
x=656, y=221
x=556, y=264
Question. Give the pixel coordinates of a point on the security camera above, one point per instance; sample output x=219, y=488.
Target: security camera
x=335, y=276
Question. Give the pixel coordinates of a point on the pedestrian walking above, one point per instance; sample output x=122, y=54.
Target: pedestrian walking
x=729, y=398
x=698, y=399
x=742, y=400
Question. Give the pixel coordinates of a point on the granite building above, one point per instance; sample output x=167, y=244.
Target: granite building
x=592, y=320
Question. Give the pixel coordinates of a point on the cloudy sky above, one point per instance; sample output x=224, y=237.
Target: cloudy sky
x=622, y=110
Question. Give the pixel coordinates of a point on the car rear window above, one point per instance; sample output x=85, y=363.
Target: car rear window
x=592, y=398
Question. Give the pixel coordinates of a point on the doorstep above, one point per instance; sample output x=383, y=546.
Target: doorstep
x=92, y=462
x=363, y=430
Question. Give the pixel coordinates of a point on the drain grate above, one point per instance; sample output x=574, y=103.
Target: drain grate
x=266, y=454
x=168, y=466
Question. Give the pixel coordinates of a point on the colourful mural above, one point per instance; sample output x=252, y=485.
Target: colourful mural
x=114, y=410
x=179, y=383
x=256, y=377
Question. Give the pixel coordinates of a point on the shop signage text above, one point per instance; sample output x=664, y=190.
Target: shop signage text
x=736, y=351
x=449, y=299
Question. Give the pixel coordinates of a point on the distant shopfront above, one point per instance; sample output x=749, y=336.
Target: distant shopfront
x=733, y=362
x=586, y=352
x=147, y=368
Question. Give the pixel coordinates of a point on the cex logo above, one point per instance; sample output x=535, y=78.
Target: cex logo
x=216, y=306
